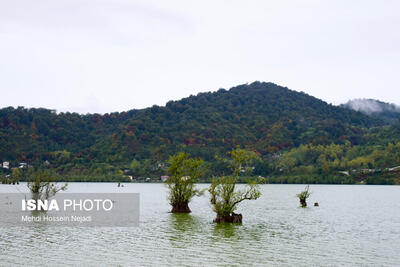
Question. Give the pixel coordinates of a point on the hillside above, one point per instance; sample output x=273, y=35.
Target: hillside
x=390, y=113
x=263, y=117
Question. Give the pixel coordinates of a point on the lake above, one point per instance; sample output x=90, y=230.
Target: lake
x=354, y=225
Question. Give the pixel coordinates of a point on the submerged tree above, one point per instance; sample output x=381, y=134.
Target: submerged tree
x=184, y=173
x=224, y=197
x=42, y=185
x=303, y=196
x=16, y=175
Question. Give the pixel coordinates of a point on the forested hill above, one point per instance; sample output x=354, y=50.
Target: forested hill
x=262, y=117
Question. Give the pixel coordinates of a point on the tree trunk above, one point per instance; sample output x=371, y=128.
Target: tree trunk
x=180, y=208
x=230, y=218
x=303, y=203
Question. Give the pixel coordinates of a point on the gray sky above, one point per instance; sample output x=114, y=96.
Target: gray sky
x=116, y=55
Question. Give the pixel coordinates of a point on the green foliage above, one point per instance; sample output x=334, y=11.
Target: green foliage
x=334, y=159
x=141, y=168
x=293, y=134
x=136, y=167
x=184, y=173
x=42, y=185
x=304, y=194
x=379, y=179
x=240, y=159
x=224, y=197
x=16, y=174
x=262, y=117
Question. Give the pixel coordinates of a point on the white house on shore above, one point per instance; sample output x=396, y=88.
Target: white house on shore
x=23, y=165
x=164, y=178
x=6, y=165
x=394, y=169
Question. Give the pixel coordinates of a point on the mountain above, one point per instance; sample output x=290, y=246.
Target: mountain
x=263, y=117
x=389, y=113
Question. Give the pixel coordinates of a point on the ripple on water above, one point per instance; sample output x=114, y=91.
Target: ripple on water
x=354, y=225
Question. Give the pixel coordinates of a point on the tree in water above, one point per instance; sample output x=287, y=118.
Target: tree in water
x=42, y=185
x=303, y=196
x=224, y=197
x=184, y=173
x=16, y=175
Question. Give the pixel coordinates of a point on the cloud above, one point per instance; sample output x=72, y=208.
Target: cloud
x=370, y=106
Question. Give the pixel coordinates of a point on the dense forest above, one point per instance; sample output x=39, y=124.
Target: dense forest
x=297, y=137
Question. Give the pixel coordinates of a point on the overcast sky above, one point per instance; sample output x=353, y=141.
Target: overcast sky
x=115, y=55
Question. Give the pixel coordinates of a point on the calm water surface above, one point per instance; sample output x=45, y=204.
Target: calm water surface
x=355, y=225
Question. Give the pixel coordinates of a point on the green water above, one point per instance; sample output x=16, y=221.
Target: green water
x=355, y=225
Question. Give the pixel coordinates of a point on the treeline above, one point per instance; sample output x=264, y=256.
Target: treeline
x=321, y=159
x=337, y=164
x=332, y=164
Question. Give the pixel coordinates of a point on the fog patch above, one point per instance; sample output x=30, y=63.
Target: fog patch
x=370, y=106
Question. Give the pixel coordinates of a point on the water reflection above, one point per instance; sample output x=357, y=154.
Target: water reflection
x=225, y=230
x=182, y=229
x=182, y=222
